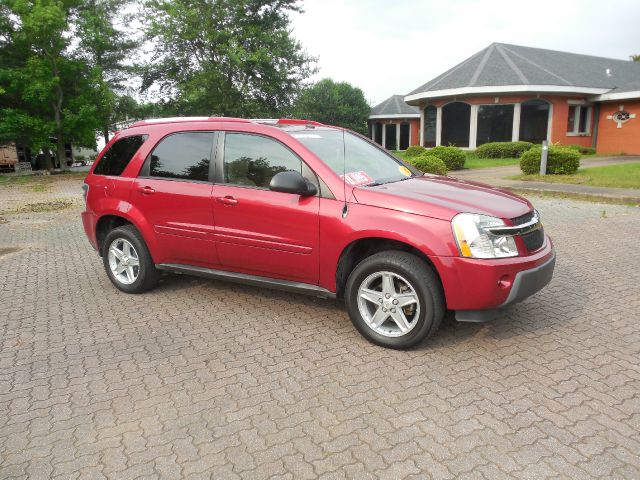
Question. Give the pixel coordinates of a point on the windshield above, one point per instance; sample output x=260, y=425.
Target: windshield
x=365, y=164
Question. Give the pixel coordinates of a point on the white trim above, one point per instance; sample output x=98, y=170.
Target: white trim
x=395, y=115
x=550, y=122
x=397, y=136
x=421, y=133
x=515, y=134
x=438, y=125
x=473, y=126
x=576, y=102
x=384, y=136
x=373, y=131
x=618, y=96
x=453, y=92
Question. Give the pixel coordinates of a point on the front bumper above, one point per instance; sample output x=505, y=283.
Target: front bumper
x=525, y=284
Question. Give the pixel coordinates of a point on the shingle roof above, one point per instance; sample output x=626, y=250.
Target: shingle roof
x=395, y=105
x=502, y=64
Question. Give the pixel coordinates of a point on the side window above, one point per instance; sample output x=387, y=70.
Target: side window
x=183, y=156
x=253, y=160
x=116, y=159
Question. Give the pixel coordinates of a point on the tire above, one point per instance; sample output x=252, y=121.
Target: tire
x=145, y=276
x=412, y=280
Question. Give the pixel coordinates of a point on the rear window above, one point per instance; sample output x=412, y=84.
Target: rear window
x=116, y=159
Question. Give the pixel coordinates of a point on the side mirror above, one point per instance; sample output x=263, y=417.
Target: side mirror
x=292, y=182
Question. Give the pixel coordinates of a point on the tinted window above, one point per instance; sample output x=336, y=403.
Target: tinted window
x=253, y=160
x=184, y=156
x=115, y=160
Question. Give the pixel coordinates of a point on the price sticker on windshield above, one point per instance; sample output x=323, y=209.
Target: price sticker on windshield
x=357, y=178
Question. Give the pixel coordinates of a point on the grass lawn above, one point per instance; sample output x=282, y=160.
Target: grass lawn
x=37, y=179
x=475, y=162
x=626, y=175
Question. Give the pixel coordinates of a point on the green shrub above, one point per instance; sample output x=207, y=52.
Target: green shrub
x=583, y=150
x=453, y=157
x=78, y=158
x=503, y=149
x=561, y=160
x=429, y=164
x=414, y=151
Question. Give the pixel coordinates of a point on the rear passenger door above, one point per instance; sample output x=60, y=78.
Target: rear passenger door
x=173, y=192
x=259, y=231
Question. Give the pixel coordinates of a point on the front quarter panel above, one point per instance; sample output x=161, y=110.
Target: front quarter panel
x=431, y=236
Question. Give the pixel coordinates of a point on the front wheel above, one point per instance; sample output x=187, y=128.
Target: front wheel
x=394, y=299
x=127, y=260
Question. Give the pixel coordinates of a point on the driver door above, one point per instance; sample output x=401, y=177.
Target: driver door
x=258, y=231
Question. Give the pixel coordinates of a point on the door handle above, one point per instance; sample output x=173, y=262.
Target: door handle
x=146, y=190
x=228, y=200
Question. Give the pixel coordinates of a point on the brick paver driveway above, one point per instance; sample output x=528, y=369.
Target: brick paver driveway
x=201, y=379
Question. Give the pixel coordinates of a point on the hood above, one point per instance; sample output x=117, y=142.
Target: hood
x=443, y=197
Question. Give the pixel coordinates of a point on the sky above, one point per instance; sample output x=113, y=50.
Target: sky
x=394, y=46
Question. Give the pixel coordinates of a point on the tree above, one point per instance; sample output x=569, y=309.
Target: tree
x=635, y=58
x=106, y=48
x=225, y=57
x=334, y=103
x=50, y=94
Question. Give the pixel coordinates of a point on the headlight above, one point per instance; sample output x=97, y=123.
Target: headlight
x=475, y=241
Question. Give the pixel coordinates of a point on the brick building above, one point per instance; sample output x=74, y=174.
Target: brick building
x=508, y=93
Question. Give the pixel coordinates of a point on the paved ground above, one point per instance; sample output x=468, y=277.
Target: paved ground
x=499, y=176
x=201, y=379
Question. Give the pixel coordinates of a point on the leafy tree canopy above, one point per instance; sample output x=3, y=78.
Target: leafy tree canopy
x=334, y=103
x=225, y=57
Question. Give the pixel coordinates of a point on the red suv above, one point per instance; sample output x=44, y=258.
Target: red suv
x=315, y=209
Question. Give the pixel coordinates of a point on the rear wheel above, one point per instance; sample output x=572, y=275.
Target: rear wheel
x=394, y=299
x=127, y=260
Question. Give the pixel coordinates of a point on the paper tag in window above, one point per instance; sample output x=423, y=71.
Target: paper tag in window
x=357, y=178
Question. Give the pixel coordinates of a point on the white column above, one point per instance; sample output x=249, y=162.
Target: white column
x=397, y=136
x=373, y=131
x=438, y=125
x=550, y=123
x=515, y=134
x=384, y=135
x=422, y=126
x=473, y=126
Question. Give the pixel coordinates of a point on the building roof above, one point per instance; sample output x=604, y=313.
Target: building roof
x=394, y=107
x=503, y=68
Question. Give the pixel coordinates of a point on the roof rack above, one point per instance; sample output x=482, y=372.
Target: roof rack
x=187, y=119
x=264, y=121
x=286, y=121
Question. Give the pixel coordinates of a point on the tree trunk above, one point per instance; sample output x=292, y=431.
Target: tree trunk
x=60, y=153
x=48, y=164
x=105, y=132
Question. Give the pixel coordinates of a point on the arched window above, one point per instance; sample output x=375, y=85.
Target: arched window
x=430, y=126
x=456, y=118
x=534, y=121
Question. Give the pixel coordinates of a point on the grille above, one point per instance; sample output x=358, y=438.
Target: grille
x=522, y=218
x=532, y=240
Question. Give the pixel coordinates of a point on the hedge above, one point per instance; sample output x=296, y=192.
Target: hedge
x=414, y=151
x=560, y=160
x=583, y=150
x=428, y=163
x=453, y=157
x=503, y=149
